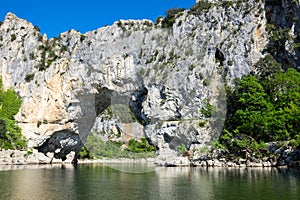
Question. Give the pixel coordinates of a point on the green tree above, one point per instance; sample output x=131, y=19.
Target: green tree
x=286, y=100
x=10, y=132
x=263, y=108
x=252, y=108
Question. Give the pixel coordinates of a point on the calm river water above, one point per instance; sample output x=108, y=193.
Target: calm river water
x=137, y=181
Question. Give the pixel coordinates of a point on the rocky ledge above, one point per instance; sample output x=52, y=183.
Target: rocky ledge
x=284, y=157
x=16, y=157
x=277, y=156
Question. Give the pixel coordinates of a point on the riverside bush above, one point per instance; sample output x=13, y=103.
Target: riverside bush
x=98, y=148
x=262, y=108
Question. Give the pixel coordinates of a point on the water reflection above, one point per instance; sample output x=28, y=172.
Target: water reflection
x=36, y=181
x=228, y=183
x=182, y=182
x=134, y=181
x=132, y=167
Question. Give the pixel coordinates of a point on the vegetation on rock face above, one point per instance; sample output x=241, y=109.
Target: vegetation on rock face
x=170, y=18
x=181, y=149
x=121, y=112
x=84, y=153
x=139, y=147
x=284, y=33
x=208, y=110
x=278, y=37
x=10, y=133
x=29, y=77
x=200, y=6
x=48, y=55
x=263, y=108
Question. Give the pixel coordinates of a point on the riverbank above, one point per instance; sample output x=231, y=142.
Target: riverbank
x=117, y=160
x=15, y=157
x=30, y=157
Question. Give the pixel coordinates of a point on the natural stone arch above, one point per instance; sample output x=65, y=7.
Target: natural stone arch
x=62, y=142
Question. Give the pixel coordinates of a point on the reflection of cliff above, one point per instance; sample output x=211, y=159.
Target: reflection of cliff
x=183, y=182
x=97, y=181
x=226, y=183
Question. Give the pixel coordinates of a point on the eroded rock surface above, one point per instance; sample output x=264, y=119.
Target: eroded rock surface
x=164, y=75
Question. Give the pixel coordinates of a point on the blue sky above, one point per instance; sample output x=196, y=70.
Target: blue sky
x=54, y=17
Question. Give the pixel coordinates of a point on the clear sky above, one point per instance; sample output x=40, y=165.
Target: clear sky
x=57, y=16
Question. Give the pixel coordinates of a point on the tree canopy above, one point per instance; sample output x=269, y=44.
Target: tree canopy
x=264, y=107
x=10, y=132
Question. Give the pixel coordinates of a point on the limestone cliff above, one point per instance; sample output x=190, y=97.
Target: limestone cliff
x=165, y=76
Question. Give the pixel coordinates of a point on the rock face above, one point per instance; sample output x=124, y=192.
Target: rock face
x=165, y=76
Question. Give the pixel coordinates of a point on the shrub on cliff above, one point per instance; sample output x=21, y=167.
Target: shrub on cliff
x=199, y=7
x=170, y=18
x=138, y=147
x=10, y=132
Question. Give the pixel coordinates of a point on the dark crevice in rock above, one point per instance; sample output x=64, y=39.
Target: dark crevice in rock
x=219, y=56
x=102, y=100
x=135, y=105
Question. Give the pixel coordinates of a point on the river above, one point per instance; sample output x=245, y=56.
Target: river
x=145, y=181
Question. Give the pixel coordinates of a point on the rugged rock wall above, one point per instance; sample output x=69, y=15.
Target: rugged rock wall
x=164, y=75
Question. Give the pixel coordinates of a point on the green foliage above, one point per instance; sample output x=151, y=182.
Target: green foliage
x=208, y=110
x=10, y=133
x=296, y=46
x=47, y=56
x=37, y=28
x=63, y=48
x=31, y=56
x=181, y=148
x=82, y=38
x=263, y=108
x=29, y=77
x=29, y=152
x=10, y=104
x=278, y=37
x=217, y=144
x=159, y=20
x=13, y=37
x=120, y=112
x=84, y=153
x=206, y=81
x=296, y=141
x=170, y=18
x=138, y=147
x=267, y=67
x=99, y=149
x=111, y=149
x=200, y=7
x=202, y=124
x=227, y=4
